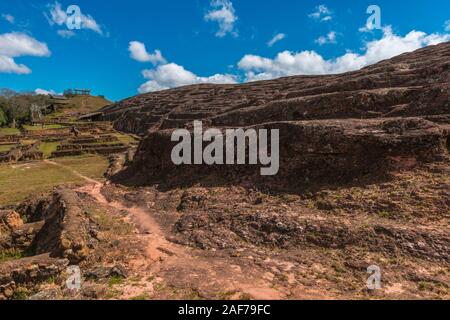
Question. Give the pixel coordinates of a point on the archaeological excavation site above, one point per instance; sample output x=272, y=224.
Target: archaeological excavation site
x=93, y=208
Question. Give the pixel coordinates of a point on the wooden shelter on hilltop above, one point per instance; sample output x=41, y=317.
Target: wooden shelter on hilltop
x=77, y=92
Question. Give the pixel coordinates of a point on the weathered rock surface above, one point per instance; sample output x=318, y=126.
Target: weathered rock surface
x=10, y=219
x=402, y=107
x=363, y=176
x=66, y=229
x=286, y=231
x=58, y=234
x=311, y=152
x=412, y=84
x=28, y=272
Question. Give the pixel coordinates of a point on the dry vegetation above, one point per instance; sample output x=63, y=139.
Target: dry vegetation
x=20, y=181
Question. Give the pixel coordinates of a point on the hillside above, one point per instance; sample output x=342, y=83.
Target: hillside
x=412, y=84
x=364, y=179
x=79, y=105
x=363, y=185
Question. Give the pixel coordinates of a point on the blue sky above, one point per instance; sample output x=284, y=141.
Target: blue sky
x=223, y=41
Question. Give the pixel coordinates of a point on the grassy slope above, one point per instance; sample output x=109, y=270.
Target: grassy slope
x=5, y=148
x=81, y=104
x=19, y=181
x=39, y=127
x=9, y=131
x=75, y=106
x=48, y=147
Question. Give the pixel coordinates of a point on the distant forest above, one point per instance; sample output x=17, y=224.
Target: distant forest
x=15, y=106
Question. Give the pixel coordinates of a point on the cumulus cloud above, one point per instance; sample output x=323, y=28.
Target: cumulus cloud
x=15, y=44
x=59, y=17
x=222, y=12
x=8, y=65
x=168, y=75
x=447, y=25
x=139, y=53
x=329, y=38
x=173, y=75
x=18, y=44
x=275, y=39
x=322, y=13
x=288, y=63
x=9, y=18
x=44, y=92
x=365, y=29
x=67, y=34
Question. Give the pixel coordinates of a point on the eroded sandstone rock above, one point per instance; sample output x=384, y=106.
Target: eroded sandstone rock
x=311, y=152
x=66, y=229
x=412, y=84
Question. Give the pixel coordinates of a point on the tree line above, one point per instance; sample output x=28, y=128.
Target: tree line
x=15, y=107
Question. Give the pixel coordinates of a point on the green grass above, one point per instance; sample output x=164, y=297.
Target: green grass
x=48, y=147
x=9, y=131
x=110, y=223
x=19, y=181
x=87, y=103
x=79, y=104
x=91, y=166
x=21, y=293
x=126, y=139
x=6, y=148
x=115, y=280
x=11, y=254
x=40, y=127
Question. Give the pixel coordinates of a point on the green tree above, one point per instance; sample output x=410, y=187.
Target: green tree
x=16, y=106
x=3, y=119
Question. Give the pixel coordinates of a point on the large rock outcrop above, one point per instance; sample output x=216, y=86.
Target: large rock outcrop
x=57, y=234
x=412, y=84
x=310, y=152
x=65, y=232
x=333, y=129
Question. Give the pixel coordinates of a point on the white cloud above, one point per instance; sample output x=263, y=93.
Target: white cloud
x=9, y=18
x=45, y=92
x=172, y=75
x=276, y=38
x=59, y=17
x=139, y=52
x=447, y=25
x=322, y=13
x=224, y=14
x=15, y=44
x=8, y=65
x=88, y=22
x=329, y=38
x=365, y=29
x=67, y=34
x=169, y=75
x=289, y=63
